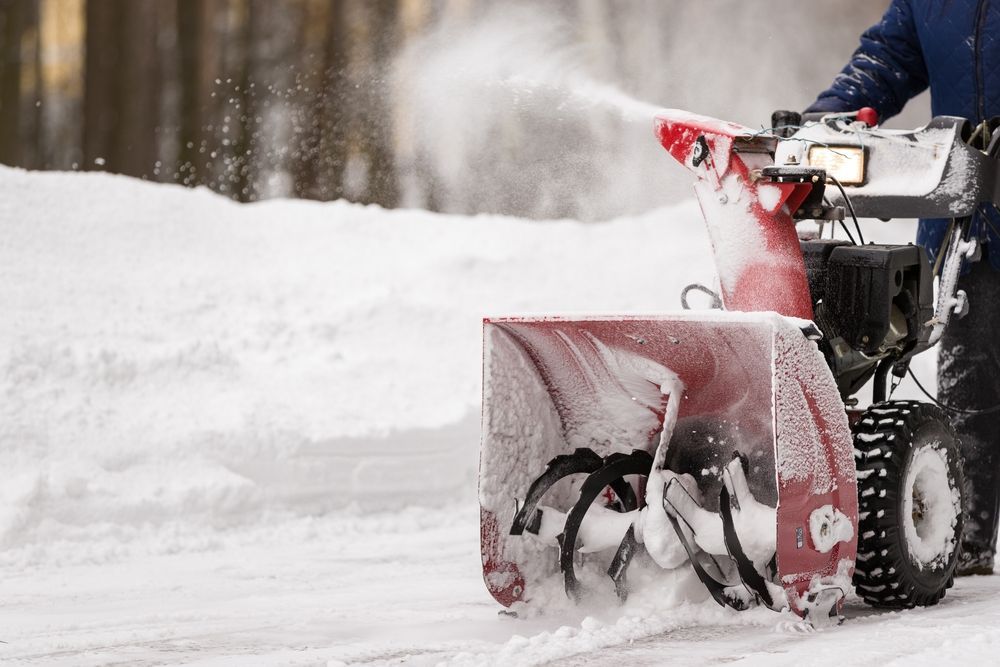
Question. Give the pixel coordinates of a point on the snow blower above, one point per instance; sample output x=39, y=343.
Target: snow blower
x=729, y=439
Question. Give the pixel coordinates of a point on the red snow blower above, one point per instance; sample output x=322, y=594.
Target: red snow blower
x=728, y=439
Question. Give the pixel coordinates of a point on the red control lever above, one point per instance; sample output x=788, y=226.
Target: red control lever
x=868, y=116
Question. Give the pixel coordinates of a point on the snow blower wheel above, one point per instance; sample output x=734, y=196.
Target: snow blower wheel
x=910, y=493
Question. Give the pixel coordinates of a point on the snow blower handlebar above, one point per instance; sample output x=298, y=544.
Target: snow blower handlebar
x=931, y=172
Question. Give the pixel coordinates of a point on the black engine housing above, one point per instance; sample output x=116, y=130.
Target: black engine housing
x=872, y=302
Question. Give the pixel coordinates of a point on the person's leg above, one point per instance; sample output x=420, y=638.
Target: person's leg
x=969, y=379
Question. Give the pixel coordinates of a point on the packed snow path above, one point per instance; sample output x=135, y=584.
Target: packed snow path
x=407, y=590
x=248, y=435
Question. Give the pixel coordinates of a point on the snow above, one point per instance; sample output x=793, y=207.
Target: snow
x=503, y=113
x=808, y=448
x=932, y=538
x=901, y=163
x=769, y=196
x=930, y=165
x=729, y=211
x=754, y=521
x=829, y=526
x=248, y=435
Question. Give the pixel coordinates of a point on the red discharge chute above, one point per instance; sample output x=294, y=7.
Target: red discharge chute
x=749, y=219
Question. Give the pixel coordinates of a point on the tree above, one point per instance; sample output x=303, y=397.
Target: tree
x=13, y=15
x=100, y=117
x=376, y=129
x=121, y=95
x=324, y=136
x=243, y=160
x=137, y=89
x=198, y=68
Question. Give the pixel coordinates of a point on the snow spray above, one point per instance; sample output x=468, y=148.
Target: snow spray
x=503, y=115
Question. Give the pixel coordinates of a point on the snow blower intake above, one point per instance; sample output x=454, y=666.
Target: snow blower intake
x=728, y=439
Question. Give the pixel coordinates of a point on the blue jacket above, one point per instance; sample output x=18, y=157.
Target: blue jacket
x=953, y=46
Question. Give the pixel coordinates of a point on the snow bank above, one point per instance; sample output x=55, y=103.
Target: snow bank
x=172, y=359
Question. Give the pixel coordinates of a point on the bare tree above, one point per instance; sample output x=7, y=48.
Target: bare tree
x=324, y=139
x=31, y=96
x=198, y=57
x=376, y=133
x=244, y=165
x=309, y=99
x=13, y=16
x=138, y=86
x=122, y=92
x=100, y=114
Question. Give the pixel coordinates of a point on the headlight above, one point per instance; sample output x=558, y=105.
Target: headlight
x=845, y=163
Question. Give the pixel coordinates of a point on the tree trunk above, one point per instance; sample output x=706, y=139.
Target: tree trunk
x=100, y=114
x=334, y=142
x=244, y=158
x=121, y=98
x=377, y=132
x=12, y=19
x=35, y=135
x=197, y=70
x=138, y=84
x=308, y=110
x=322, y=152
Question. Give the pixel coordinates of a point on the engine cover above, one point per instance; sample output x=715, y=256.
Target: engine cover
x=863, y=283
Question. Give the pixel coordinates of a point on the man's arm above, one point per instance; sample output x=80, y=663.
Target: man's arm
x=885, y=71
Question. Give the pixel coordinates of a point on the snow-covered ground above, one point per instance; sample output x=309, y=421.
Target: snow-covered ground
x=249, y=435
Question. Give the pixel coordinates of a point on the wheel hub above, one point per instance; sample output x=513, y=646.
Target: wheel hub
x=930, y=507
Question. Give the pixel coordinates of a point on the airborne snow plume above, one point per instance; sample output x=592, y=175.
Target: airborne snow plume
x=506, y=114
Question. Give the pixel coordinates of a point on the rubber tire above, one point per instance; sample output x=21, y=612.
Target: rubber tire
x=884, y=441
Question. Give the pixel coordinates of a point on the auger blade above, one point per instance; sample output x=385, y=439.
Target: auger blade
x=583, y=460
x=627, y=550
x=721, y=591
x=751, y=578
x=615, y=469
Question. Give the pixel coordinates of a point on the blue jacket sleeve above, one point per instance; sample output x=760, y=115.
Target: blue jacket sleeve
x=885, y=71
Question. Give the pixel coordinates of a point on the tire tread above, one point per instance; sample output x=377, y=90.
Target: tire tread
x=882, y=439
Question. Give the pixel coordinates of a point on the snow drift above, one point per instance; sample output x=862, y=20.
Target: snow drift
x=173, y=359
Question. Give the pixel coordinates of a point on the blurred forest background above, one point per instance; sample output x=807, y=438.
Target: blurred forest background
x=393, y=102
